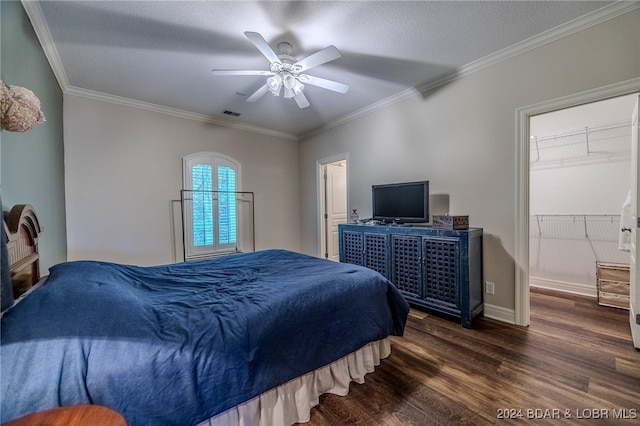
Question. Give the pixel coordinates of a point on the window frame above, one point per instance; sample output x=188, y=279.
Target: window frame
x=215, y=160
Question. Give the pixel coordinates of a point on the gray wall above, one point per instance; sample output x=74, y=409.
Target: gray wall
x=32, y=162
x=124, y=166
x=462, y=137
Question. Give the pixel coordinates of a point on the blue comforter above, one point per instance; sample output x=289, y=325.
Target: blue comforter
x=177, y=344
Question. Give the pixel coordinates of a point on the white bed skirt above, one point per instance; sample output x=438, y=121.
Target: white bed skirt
x=292, y=402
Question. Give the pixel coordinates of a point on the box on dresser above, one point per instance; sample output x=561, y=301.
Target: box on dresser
x=450, y=222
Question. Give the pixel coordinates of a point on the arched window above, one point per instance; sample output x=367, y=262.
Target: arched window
x=210, y=205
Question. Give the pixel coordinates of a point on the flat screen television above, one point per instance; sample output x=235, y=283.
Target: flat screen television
x=406, y=202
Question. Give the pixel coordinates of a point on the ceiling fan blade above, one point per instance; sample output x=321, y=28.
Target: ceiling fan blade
x=324, y=83
x=263, y=46
x=301, y=100
x=258, y=93
x=320, y=57
x=241, y=72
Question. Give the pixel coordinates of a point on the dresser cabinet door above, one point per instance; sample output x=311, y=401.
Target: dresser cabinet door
x=352, y=248
x=406, y=264
x=376, y=252
x=370, y=249
x=441, y=275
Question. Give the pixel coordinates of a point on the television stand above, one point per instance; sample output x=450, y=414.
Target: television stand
x=433, y=268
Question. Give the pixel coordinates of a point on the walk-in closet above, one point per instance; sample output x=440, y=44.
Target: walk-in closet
x=580, y=171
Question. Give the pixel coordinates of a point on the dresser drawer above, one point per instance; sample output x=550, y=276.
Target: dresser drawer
x=613, y=300
x=612, y=271
x=613, y=293
x=614, y=287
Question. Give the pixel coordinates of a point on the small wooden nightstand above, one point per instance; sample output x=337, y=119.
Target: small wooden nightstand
x=73, y=415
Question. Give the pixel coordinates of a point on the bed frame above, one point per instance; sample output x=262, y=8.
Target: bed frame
x=22, y=228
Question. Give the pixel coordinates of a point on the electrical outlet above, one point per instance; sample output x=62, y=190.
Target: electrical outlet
x=490, y=288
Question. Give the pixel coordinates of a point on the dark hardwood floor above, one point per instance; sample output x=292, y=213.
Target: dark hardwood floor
x=575, y=364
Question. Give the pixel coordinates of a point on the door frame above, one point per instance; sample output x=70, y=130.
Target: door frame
x=522, y=300
x=320, y=185
x=634, y=300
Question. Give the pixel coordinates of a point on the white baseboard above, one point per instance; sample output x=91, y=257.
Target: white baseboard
x=499, y=313
x=508, y=315
x=567, y=287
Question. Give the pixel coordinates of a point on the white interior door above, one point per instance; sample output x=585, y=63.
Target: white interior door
x=634, y=286
x=336, y=205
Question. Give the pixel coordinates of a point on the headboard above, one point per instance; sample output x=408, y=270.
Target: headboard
x=22, y=228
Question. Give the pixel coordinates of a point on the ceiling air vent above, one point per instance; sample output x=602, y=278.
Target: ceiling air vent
x=231, y=113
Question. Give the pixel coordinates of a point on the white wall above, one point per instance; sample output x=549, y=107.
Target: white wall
x=582, y=189
x=123, y=166
x=595, y=183
x=462, y=137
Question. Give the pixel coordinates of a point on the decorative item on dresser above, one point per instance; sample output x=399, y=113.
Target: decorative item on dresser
x=433, y=268
x=450, y=222
x=253, y=338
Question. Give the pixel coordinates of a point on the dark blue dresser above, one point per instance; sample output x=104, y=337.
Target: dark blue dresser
x=438, y=269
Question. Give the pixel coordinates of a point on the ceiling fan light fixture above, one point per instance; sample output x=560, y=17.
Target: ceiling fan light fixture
x=297, y=88
x=288, y=93
x=274, y=83
x=286, y=71
x=289, y=81
x=292, y=87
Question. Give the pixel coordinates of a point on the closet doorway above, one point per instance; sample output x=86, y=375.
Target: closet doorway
x=579, y=178
x=332, y=180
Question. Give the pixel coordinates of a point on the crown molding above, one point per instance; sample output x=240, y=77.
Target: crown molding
x=399, y=97
x=34, y=12
x=147, y=106
x=594, y=18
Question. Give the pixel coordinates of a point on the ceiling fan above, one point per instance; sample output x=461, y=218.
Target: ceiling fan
x=286, y=72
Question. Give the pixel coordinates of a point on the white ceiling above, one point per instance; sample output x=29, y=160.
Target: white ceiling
x=162, y=53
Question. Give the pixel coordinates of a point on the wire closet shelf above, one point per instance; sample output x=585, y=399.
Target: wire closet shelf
x=607, y=141
x=560, y=238
x=604, y=227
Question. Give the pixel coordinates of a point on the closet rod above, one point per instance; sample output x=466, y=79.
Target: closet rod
x=576, y=215
x=580, y=131
x=584, y=218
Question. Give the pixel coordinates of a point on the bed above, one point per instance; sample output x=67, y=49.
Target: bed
x=246, y=339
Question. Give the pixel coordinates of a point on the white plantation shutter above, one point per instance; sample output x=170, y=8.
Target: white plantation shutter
x=202, y=205
x=227, y=211
x=211, y=210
